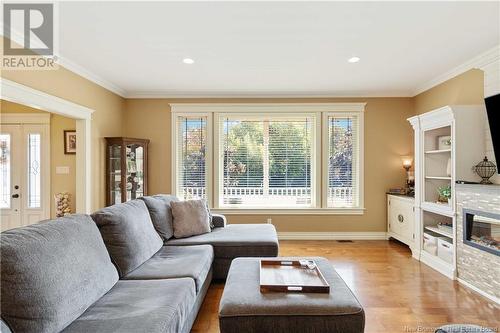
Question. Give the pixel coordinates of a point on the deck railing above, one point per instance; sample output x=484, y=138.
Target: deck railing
x=287, y=195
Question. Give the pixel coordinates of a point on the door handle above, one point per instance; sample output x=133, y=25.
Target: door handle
x=15, y=196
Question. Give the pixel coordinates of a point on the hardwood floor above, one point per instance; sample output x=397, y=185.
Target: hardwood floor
x=397, y=292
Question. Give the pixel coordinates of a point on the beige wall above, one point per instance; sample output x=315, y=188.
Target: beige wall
x=61, y=183
x=106, y=120
x=387, y=137
x=464, y=89
x=58, y=183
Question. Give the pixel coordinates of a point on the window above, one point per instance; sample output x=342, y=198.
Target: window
x=343, y=156
x=266, y=161
x=192, y=159
x=5, y=170
x=34, y=189
x=270, y=158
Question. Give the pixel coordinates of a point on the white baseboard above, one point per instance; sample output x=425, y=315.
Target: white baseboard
x=479, y=291
x=375, y=235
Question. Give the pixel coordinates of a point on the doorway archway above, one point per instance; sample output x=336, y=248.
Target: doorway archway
x=21, y=94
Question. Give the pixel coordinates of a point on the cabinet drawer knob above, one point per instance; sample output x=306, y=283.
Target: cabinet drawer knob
x=401, y=218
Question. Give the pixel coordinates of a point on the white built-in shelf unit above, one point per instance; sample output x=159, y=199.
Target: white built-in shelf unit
x=438, y=165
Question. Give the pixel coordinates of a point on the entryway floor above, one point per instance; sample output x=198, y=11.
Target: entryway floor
x=398, y=293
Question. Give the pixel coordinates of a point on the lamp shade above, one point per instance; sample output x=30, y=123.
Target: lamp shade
x=407, y=161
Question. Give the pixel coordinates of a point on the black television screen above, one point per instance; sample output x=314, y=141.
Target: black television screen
x=493, y=110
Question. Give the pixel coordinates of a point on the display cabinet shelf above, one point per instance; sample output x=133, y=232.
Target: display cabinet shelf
x=437, y=208
x=442, y=232
x=438, y=151
x=438, y=177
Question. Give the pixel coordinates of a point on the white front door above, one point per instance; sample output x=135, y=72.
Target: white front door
x=24, y=174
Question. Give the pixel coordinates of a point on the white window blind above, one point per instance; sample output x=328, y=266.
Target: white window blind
x=191, y=178
x=343, y=161
x=267, y=162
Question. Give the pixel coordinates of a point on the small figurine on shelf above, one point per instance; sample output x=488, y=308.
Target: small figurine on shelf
x=62, y=201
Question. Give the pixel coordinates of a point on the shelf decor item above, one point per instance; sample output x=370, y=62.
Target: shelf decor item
x=62, y=201
x=126, y=169
x=444, y=142
x=444, y=194
x=485, y=169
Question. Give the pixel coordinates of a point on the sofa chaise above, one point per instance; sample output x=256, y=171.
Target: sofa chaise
x=117, y=270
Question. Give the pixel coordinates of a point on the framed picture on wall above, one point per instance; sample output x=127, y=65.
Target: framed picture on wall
x=70, y=142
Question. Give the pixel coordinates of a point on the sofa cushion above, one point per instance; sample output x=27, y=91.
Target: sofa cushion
x=153, y=306
x=128, y=233
x=191, y=217
x=52, y=272
x=161, y=213
x=237, y=240
x=177, y=261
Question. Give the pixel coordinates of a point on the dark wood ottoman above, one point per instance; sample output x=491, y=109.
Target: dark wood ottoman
x=243, y=308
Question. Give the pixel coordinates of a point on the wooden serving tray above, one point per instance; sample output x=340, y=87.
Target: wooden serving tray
x=291, y=276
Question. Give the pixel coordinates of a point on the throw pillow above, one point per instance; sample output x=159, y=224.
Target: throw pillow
x=161, y=213
x=191, y=218
x=128, y=233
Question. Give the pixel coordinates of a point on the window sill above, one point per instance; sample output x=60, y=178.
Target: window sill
x=289, y=211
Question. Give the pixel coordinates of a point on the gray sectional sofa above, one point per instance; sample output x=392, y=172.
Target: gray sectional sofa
x=118, y=270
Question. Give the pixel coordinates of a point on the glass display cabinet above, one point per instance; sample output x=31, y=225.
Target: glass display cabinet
x=126, y=169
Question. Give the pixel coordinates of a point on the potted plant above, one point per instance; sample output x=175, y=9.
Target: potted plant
x=444, y=194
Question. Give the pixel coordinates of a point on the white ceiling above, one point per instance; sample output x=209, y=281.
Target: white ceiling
x=273, y=48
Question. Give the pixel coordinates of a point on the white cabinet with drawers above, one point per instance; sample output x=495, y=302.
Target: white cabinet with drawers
x=401, y=218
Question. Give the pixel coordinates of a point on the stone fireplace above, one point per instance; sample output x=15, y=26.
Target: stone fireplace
x=478, y=261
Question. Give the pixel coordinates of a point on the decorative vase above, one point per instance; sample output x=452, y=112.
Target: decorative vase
x=62, y=201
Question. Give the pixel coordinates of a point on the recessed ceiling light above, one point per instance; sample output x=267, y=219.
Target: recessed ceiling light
x=353, y=60
x=188, y=61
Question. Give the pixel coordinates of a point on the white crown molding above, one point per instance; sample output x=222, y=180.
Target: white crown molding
x=73, y=67
x=83, y=72
x=369, y=235
x=478, y=62
x=266, y=107
x=260, y=94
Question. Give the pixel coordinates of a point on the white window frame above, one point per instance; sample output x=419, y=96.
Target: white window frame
x=219, y=152
x=208, y=154
x=359, y=160
x=214, y=112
